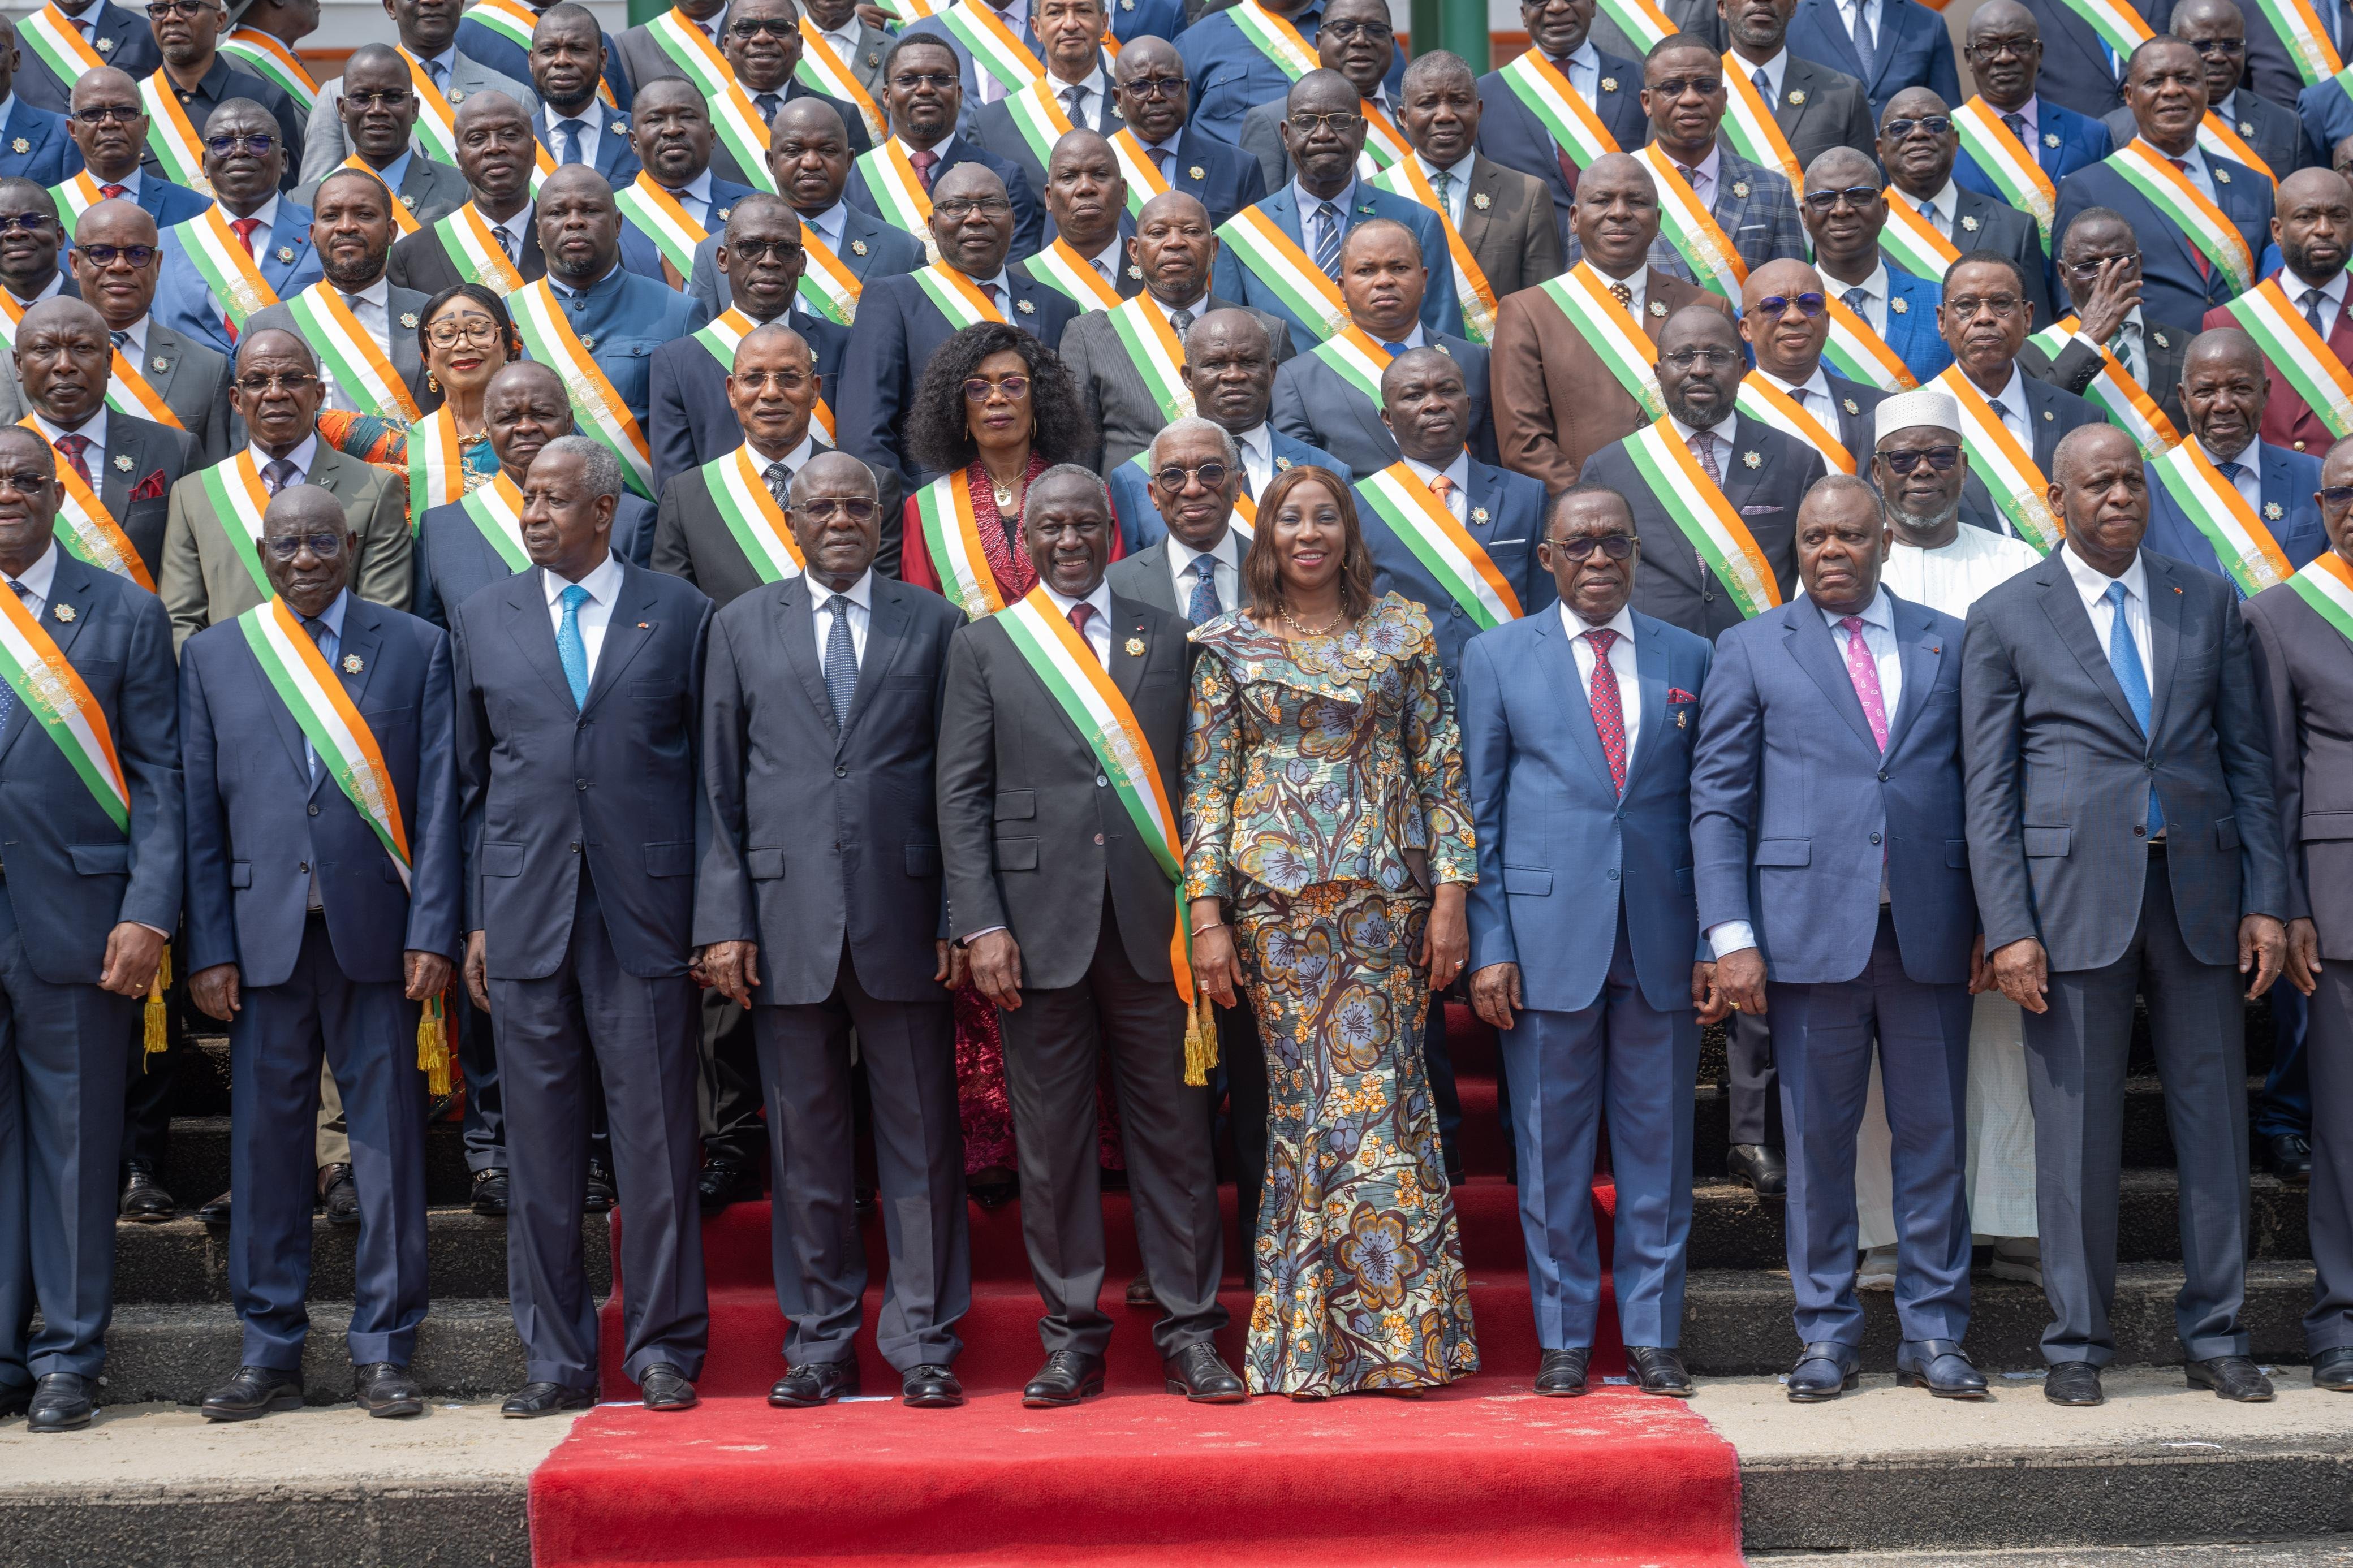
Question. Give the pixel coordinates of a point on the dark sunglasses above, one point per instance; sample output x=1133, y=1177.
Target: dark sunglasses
x=258, y=144
x=1154, y=86
x=1934, y=125
x=107, y=255
x=1706, y=86
x=1940, y=458
x=1807, y=305
x=31, y=223
x=2338, y=495
x=753, y=26
x=2231, y=49
x=99, y=113
x=1617, y=546
x=1822, y=204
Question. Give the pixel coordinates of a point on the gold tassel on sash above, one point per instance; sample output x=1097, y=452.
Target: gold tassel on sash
x=153, y=1021
x=1200, y=1039
x=433, y=1044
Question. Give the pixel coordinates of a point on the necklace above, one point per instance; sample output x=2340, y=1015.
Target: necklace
x=1283, y=609
x=1004, y=495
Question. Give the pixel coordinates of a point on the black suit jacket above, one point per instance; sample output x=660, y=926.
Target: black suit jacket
x=1032, y=841
x=693, y=541
x=418, y=262
x=2079, y=364
x=1029, y=213
x=825, y=832
x=125, y=41
x=2053, y=413
x=1821, y=107
x=1980, y=223
x=688, y=421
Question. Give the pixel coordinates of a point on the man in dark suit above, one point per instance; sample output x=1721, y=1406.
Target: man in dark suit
x=1353, y=38
x=200, y=80
x=579, y=915
x=520, y=58
x=113, y=149
x=98, y=875
x=426, y=33
x=1087, y=222
x=1067, y=917
x=2079, y=69
x=246, y=191
x=899, y=328
x=2123, y=837
x=48, y=154
x=2223, y=388
x=29, y=269
x=761, y=43
x=1826, y=804
x=1556, y=400
x=2167, y=97
x=1321, y=398
x=857, y=42
x=186, y=377
x=1786, y=336
x=1611, y=83
x=1899, y=43
x=1919, y=156
x=1070, y=33
x=1751, y=203
x=497, y=154
x=118, y=35
x=1603, y=1018
x=643, y=60
x=922, y=104
x=1704, y=18
x=2217, y=29
x=569, y=56
x=316, y=936
x=1230, y=75
x=822, y=698
x=2314, y=231
x=2099, y=279
x=1983, y=317
x=1506, y=219
x=619, y=317
x=671, y=129
x=1817, y=107
x=2005, y=54
x=352, y=231
x=379, y=110
x=1155, y=102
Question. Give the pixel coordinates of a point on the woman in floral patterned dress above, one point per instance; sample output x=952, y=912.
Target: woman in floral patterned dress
x=1327, y=851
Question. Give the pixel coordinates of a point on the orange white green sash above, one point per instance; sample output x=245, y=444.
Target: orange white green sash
x=404, y=222
x=238, y=500
x=171, y=137
x=1276, y=38
x=1544, y=92
x=465, y=237
x=1858, y=353
x=233, y=278
x=1640, y=21
x=2297, y=352
x=1040, y=117
x=435, y=134
x=753, y=516
x=2299, y=28
x=1913, y=243
x=74, y=196
x=1384, y=145
x=1445, y=548
x=2125, y=401
x=1693, y=230
x=59, y=43
x=328, y=720
x=1611, y=332
x=269, y=57
x=1707, y=518
x=1144, y=178
x=1358, y=359
x=1279, y=263
x=54, y=692
x=2216, y=139
x=1768, y=404
x=496, y=511
x=735, y=119
x=994, y=46
x=952, y=535
x=2007, y=466
x=437, y=467
x=128, y=392
x=2007, y=163
x=1749, y=125
x=2240, y=542
x=957, y=296
x=822, y=69
x=659, y=219
x=596, y=404
x=86, y=529
x=1070, y=274
x=364, y=371
x=2326, y=584
x=890, y=179
x=906, y=11
x=2117, y=24
x=1152, y=348
x=827, y=286
x=2170, y=190
x=725, y=333
x=1471, y=286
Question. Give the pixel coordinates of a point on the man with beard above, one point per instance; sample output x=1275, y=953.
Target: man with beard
x=505, y=49
x=1983, y=317
x=609, y=315
x=496, y=156
x=1513, y=128
x=569, y=55
x=2005, y=54
x=1934, y=218
x=672, y=132
x=1505, y=219
x=109, y=126
x=269, y=256
x=855, y=42
x=1684, y=96
x=1845, y=212
x=117, y=261
x=923, y=100
x=1817, y=107
x=427, y=30
x=762, y=42
x=379, y=111
x=351, y=227
x=2314, y=229
x=1785, y=321
x=200, y=80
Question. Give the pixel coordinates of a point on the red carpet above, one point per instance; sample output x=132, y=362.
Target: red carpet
x=1482, y=1473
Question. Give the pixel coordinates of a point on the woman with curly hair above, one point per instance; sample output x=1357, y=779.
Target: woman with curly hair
x=465, y=337
x=1327, y=857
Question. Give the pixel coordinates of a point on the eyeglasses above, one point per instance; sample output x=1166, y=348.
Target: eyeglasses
x=753, y=26
x=907, y=81
x=1940, y=458
x=1994, y=48
x=1376, y=32
x=1685, y=359
x=257, y=386
x=781, y=380
x=956, y=208
x=2230, y=49
x=1617, y=546
x=1706, y=86
x=1934, y=125
x=1807, y=305
x=2000, y=304
x=108, y=255
x=258, y=144
x=23, y=482
x=856, y=509
x=2090, y=265
x=1340, y=123
x=449, y=332
x=2338, y=495
x=978, y=390
x=763, y=249
x=100, y=113
x=169, y=8
x=31, y=223
x=1822, y=204
x=1154, y=86
x=382, y=98
x=286, y=546
x=1174, y=477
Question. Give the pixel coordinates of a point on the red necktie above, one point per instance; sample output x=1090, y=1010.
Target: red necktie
x=110, y=192
x=73, y=447
x=1081, y=614
x=2205, y=267
x=923, y=162
x=245, y=228
x=1608, y=715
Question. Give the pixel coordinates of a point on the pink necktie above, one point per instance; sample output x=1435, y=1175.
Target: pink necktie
x=1609, y=714
x=923, y=163
x=1864, y=670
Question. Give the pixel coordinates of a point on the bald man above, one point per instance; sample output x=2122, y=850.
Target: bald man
x=2005, y=54
x=1078, y=75
x=2312, y=226
x=2224, y=387
x=2220, y=31
x=1785, y=320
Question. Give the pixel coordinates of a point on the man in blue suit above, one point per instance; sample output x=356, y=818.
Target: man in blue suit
x=1149, y=85
x=920, y=99
x=2079, y=69
x=48, y=154
x=673, y=134
x=113, y=147
x=1834, y=892
x=1845, y=210
x=477, y=40
x=579, y=694
x=570, y=54
x=1918, y=145
x=2005, y=52
x=1983, y=316
x=1890, y=45
x=2167, y=94
x=2217, y=29
x=1324, y=200
x=762, y=45
x=277, y=232
x=1611, y=85
x=1684, y=95
x=619, y=318
x=1573, y=808
x=2225, y=385
x=120, y=36
x=99, y=877
x=1230, y=75
x=314, y=930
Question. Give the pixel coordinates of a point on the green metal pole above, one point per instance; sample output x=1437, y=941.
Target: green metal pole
x=1457, y=25
x=646, y=10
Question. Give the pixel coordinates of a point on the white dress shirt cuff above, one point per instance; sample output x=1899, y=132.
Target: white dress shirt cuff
x=1730, y=936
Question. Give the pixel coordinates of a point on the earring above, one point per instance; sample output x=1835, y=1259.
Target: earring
x=432, y=383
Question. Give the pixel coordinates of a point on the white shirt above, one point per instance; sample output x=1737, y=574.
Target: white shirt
x=1621, y=665
x=1941, y=206
x=1875, y=288
x=2332, y=301
x=696, y=197
x=36, y=581
x=1952, y=577
x=1098, y=632
x=1811, y=395
x=1583, y=70
x=1092, y=90
x=2194, y=167
x=134, y=344
x=1257, y=458
x=828, y=222
x=796, y=459
x=515, y=227
x=588, y=125
x=1106, y=261
x=94, y=458
x=1456, y=473
x=604, y=585
x=2248, y=478
x=823, y=608
x=2012, y=399
x=372, y=307
x=1775, y=69
x=845, y=42
x=2093, y=585
x=1224, y=561
x=1459, y=191
x=301, y=456
x=1200, y=307
x=1869, y=11
x=268, y=212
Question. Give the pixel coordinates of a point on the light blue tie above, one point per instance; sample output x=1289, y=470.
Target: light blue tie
x=574, y=653
x=841, y=660
x=1204, y=607
x=567, y=141
x=1327, y=241
x=2123, y=657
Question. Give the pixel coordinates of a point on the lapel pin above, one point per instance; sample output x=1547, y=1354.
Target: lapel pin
x=1797, y=96
x=1969, y=222
x=2177, y=590
x=645, y=625
x=2049, y=417
x=1478, y=515
x=285, y=253
x=1024, y=306
x=618, y=128
x=122, y=461
x=873, y=58
x=457, y=95
x=724, y=214
x=1851, y=406
x=21, y=145
x=587, y=342
x=1750, y=460
x=353, y=664
x=1740, y=189
x=1441, y=348
x=1282, y=462
x=1658, y=308
x=2051, y=138
x=2222, y=175
x=1364, y=209
x=2246, y=128
x=1482, y=200
x=1136, y=647
x=2270, y=511
x=63, y=612
x=2161, y=340
x=1135, y=271
x=1681, y=714
x=159, y=365
x=408, y=319
x=1609, y=84
x=857, y=248
x=409, y=202
x=1196, y=173
x=105, y=46
x=1901, y=307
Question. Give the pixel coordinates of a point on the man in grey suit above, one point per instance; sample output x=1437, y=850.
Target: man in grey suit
x=2122, y=837
x=188, y=378
x=1353, y=38
x=1918, y=157
x=1506, y=218
x=642, y=59
x=822, y=698
x=378, y=109
x=1067, y=917
x=1815, y=106
x=352, y=231
x=426, y=32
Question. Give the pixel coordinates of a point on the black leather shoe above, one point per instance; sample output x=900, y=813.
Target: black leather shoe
x=1561, y=1375
x=215, y=1211
x=547, y=1399
x=600, y=1195
x=254, y=1390
x=1759, y=1168
x=385, y=1388
x=725, y=1182
x=2231, y=1377
x=2334, y=1369
x=2288, y=1155
x=665, y=1388
x=1659, y=1370
x=1197, y=1372
x=1824, y=1371
x=490, y=1193
x=1139, y=1292
x=1067, y=1377
x=144, y=1201
x=812, y=1383
x=339, y=1195
x=931, y=1387
x=61, y=1402
x=2076, y=1383
x=14, y=1400
x=1941, y=1367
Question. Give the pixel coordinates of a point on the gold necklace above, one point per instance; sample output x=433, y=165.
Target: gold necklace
x=1283, y=608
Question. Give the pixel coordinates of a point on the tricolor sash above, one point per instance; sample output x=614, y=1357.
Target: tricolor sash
x=2299, y=28
x=76, y=196
x=725, y=333
x=171, y=138
x=1068, y=272
x=1040, y=117
x=1443, y=546
x=753, y=516
x=1913, y=243
x=234, y=279
x=1749, y=124
x=2297, y=352
x=1706, y=517
x=957, y=296
x=734, y=118
x=2325, y=583
x=1311, y=296
x=238, y=499
x=659, y=219
x=1144, y=178
x=1275, y=38
x=993, y=46
x=2007, y=466
x=1544, y=92
x=2240, y=542
x=822, y=69
x=2015, y=171
x=270, y=57
x=1384, y=145
x=1640, y=21
x=1768, y=404
x=2119, y=25
x=1858, y=353
x=54, y=692
x=1610, y=331
x=86, y=529
x=2124, y=400
x=599, y=407
x=952, y=535
x=2201, y=221
x=908, y=11
x=2216, y=139
x=1471, y=286
x=1693, y=230
x=404, y=222
x=827, y=286
x=128, y=391
x=1152, y=348
x=328, y=720
x=435, y=134
x=515, y=22
x=364, y=371
x=496, y=511
x=465, y=237
x=59, y=43
x=1358, y=359
x=437, y=467
x=896, y=189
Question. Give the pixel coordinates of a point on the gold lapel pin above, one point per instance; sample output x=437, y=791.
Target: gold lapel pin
x=1136, y=647
x=353, y=664
x=63, y=612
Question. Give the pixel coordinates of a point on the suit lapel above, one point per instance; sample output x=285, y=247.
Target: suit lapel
x=2166, y=603
x=796, y=602
x=533, y=632
x=1486, y=180
x=629, y=631
x=1826, y=18
x=70, y=585
x=1128, y=634
x=1559, y=657
x=1918, y=650
x=1819, y=655
x=1651, y=675
x=886, y=634
x=114, y=482
x=1740, y=480
x=2065, y=605
x=2044, y=431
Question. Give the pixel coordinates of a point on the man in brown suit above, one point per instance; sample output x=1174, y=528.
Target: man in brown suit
x=1555, y=402
x=1506, y=217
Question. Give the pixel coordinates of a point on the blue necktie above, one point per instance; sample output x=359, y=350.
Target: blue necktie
x=571, y=650
x=325, y=640
x=2123, y=657
x=567, y=141
x=840, y=660
x=1204, y=607
x=1327, y=241
x=1395, y=349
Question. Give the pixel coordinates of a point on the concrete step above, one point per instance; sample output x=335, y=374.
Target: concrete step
x=465, y=1256
x=174, y=1352
x=196, y=1162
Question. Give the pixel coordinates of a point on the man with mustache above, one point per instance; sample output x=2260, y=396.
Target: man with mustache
x=517, y=58
x=2217, y=30
x=108, y=127
x=1684, y=96
x=117, y=262
x=619, y=318
x=1230, y=74
x=2313, y=231
x=761, y=43
x=2099, y=274
x=2079, y=69
x=922, y=103
x=1917, y=145
x=672, y=134
x=28, y=246
x=427, y=30
x=1785, y=321
x=200, y=79
x=1077, y=78
x=1155, y=102
x=1845, y=212
x=379, y=111
x=495, y=153
x=1505, y=218
x=1356, y=40
x=1817, y=107
x=351, y=228
x=1983, y=317
x=1086, y=208
x=243, y=158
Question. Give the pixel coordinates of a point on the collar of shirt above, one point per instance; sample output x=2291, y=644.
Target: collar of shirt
x=796, y=459
x=1721, y=431
x=88, y=16
x=828, y=223
x=561, y=286
x=1000, y=283
x=1199, y=307
x=861, y=592
x=332, y=615
x=7, y=107
x=378, y=294
x=940, y=146
x=134, y=343
x=1583, y=68
x=2249, y=458
x=845, y=43
x=2012, y=397
x=301, y=456
x=2094, y=585
x=2194, y=165
x=446, y=59
x=56, y=286
x=130, y=184
x=1345, y=201
x=41, y=575
x=94, y=427
x=1099, y=599
x=2031, y=115
x=603, y=584
x=517, y=224
x=1576, y=625
x=2294, y=286
x=698, y=188
x=1258, y=445
x=1092, y=82
x=268, y=212
x=1817, y=385
x=1107, y=259
x=1459, y=172
x=1876, y=284
x=392, y=173
x=1225, y=552
x=1412, y=340
x=1704, y=172
x=1776, y=71
x=1636, y=283
x=1168, y=146
x=1457, y=472
x=1014, y=14
x=1878, y=613
x=1945, y=201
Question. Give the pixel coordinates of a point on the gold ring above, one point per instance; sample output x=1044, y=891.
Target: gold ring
x=1735, y=1007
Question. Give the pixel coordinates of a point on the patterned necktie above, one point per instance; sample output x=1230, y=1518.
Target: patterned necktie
x=768, y=102
x=2002, y=412
x=1623, y=295
x=245, y=228
x=1864, y=670
x=1328, y=240
x=1690, y=177
x=1702, y=446
x=1442, y=185
x=119, y=339
x=1071, y=98
x=2125, y=346
x=110, y=192
x=2205, y=267
x=1608, y=713
x=841, y=660
x=73, y=445
x=1203, y=607
x=2123, y=658
x=567, y=141
x=1442, y=489
x=2017, y=124
x=779, y=480
x=276, y=473
x=1854, y=299
x=569, y=649
x=923, y=162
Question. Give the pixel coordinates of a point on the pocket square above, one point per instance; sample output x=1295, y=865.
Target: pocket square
x=1677, y=694
x=1758, y=510
x=149, y=488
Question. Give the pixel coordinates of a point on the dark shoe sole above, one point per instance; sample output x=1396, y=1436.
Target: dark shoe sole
x=2072, y=1404
x=1913, y=1380
x=1853, y=1381
x=671, y=1406
x=278, y=1402
x=64, y=1426
x=776, y=1403
x=1087, y=1390
x=147, y=1216
x=1684, y=1392
x=2195, y=1381
x=394, y=1408
x=932, y=1401
x=1178, y=1385
x=550, y=1410
x=2334, y=1384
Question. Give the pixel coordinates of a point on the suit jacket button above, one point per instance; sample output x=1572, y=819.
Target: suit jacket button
x=1101, y=783
x=841, y=773
x=1882, y=776
x=314, y=808
x=582, y=784
x=2137, y=832
x=1099, y=839
x=1613, y=876
x=303, y=867
x=1874, y=838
